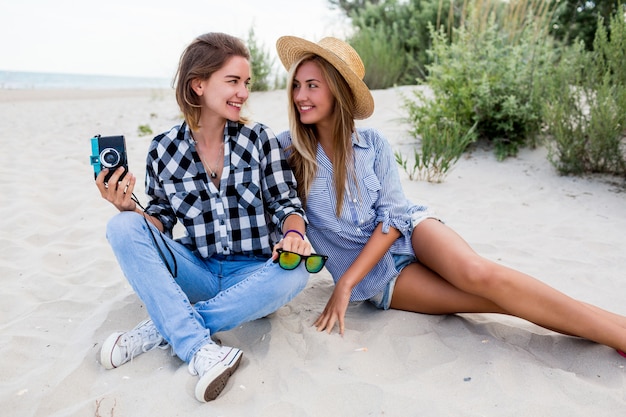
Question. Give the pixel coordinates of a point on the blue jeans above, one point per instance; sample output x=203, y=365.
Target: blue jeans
x=207, y=295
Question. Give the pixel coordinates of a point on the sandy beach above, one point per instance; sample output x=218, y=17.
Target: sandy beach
x=63, y=292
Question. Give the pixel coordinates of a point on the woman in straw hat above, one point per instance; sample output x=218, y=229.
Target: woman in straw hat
x=382, y=247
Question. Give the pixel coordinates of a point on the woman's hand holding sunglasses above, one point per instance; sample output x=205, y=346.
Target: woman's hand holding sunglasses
x=293, y=241
x=293, y=249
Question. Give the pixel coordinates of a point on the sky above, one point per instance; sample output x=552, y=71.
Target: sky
x=145, y=38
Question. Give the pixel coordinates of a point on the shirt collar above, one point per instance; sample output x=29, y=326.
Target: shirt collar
x=358, y=141
x=231, y=129
x=185, y=134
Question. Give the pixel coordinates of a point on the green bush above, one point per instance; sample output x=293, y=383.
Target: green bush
x=586, y=105
x=442, y=142
x=488, y=78
x=399, y=33
x=144, y=130
x=577, y=20
x=260, y=62
x=382, y=56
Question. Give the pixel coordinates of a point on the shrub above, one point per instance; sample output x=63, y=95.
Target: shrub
x=490, y=76
x=586, y=105
x=577, y=20
x=443, y=141
x=382, y=56
x=144, y=130
x=403, y=25
x=260, y=62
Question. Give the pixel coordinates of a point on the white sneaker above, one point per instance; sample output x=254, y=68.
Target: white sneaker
x=214, y=364
x=122, y=347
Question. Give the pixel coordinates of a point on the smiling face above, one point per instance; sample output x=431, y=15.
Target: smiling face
x=226, y=90
x=312, y=95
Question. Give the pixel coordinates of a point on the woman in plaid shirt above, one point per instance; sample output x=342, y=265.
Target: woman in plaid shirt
x=226, y=180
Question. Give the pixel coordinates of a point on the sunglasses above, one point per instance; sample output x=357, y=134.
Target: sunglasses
x=290, y=260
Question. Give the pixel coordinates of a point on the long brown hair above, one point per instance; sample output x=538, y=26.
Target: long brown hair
x=205, y=55
x=303, y=158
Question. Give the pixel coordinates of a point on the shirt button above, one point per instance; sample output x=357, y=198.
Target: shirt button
x=222, y=222
x=354, y=201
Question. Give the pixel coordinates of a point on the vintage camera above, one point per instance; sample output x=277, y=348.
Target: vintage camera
x=108, y=152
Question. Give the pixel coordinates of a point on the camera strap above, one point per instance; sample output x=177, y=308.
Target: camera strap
x=173, y=272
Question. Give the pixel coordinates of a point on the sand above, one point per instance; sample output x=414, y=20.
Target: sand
x=63, y=293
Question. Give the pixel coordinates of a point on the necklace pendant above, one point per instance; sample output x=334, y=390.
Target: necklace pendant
x=213, y=175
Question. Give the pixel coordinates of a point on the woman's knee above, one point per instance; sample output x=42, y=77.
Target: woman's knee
x=479, y=274
x=122, y=225
x=294, y=281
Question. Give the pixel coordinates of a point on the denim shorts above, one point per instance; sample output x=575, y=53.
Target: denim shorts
x=382, y=300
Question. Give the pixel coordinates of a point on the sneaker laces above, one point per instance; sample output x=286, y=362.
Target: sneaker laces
x=143, y=338
x=204, y=359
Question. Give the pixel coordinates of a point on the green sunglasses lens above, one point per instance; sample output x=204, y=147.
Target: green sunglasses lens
x=289, y=260
x=314, y=263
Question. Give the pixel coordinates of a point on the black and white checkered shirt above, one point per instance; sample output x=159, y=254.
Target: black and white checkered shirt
x=244, y=216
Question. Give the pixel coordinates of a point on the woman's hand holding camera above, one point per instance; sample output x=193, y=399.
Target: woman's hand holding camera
x=119, y=193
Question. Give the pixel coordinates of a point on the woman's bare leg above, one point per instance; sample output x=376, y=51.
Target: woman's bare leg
x=421, y=290
x=484, y=286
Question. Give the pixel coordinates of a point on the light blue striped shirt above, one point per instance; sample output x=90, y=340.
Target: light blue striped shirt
x=378, y=199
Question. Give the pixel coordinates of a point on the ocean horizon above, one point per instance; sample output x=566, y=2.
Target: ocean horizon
x=24, y=80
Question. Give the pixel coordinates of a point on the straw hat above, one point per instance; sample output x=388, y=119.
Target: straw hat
x=341, y=56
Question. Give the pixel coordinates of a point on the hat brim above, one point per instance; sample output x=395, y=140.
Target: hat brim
x=291, y=49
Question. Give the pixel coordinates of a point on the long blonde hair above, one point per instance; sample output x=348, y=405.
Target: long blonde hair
x=303, y=158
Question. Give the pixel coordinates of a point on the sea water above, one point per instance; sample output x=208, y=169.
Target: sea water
x=17, y=80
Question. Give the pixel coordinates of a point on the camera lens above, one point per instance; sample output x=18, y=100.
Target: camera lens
x=109, y=158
